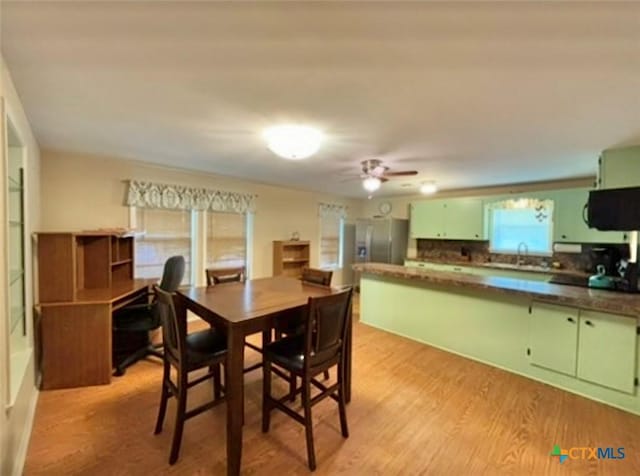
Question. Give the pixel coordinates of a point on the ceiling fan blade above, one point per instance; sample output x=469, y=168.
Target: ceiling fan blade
x=403, y=173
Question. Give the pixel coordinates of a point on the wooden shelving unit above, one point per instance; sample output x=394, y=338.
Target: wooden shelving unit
x=289, y=257
x=81, y=261
x=83, y=278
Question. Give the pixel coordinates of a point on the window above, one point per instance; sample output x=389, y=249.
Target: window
x=331, y=231
x=528, y=221
x=167, y=233
x=226, y=240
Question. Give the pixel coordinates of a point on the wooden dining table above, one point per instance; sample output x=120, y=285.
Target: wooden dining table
x=241, y=309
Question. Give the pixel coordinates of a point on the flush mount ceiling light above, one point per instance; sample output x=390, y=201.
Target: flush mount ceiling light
x=371, y=184
x=292, y=141
x=428, y=188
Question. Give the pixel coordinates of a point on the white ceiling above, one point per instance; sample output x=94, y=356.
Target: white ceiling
x=467, y=94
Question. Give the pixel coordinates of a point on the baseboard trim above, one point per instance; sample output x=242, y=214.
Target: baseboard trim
x=21, y=456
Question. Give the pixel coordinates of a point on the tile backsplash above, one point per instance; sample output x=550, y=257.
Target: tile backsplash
x=478, y=252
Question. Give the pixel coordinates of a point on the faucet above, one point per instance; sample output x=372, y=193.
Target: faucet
x=521, y=245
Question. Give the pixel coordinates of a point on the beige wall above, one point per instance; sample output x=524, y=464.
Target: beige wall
x=82, y=192
x=15, y=422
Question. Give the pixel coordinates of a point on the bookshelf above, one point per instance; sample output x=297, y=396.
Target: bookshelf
x=289, y=257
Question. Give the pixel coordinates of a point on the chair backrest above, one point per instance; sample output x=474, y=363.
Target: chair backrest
x=173, y=273
x=174, y=331
x=317, y=276
x=224, y=275
x=326, y=326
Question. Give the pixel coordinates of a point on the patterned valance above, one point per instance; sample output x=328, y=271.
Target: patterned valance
x=332, y=210
x=179, y=197
x=543, y=208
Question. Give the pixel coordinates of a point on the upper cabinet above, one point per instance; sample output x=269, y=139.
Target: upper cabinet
x=451, y=219
x=569, y=224
x=618, y=168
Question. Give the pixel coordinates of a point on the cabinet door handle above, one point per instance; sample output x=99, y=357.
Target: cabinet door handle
x=564, y=236
x=589, y=323
x=571, y=320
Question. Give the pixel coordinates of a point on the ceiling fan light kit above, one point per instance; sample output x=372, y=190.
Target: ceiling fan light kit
x=371, y=184
x=292, y=141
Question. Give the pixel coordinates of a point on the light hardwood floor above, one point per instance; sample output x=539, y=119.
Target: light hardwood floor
x=415, y=410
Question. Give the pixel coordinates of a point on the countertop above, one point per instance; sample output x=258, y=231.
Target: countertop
x=506, y=266
x=594, y=299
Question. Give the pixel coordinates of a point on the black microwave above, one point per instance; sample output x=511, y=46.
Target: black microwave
x=616, y=209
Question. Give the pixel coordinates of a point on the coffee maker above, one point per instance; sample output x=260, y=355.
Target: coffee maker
x=628, y=271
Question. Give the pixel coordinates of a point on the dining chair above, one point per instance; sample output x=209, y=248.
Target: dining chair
x=291, y=322
x=320, y=347
x=216, y=276
x=187, y=353
x=144, y=318
x=224, y=275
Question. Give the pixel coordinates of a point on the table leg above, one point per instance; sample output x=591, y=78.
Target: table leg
x=347, y=358
x=235, y=399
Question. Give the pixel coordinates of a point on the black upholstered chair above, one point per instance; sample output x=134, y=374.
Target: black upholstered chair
x=291, y=322
x=224, y=275
x=319, y=347
x=320, y=277
x=217, y=276
x=186, y=353
x=143, y=318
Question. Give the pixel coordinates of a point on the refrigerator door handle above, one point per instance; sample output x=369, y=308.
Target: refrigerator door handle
x=368, y=239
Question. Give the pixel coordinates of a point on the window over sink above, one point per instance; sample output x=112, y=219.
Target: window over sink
x=523, y=225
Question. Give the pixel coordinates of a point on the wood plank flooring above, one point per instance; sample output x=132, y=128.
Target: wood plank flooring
x=415, y=410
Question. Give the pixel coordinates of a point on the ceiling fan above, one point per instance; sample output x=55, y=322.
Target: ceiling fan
x=375, y=174
x=374, y=168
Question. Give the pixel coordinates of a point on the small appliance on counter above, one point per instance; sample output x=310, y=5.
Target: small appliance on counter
x=601, y=280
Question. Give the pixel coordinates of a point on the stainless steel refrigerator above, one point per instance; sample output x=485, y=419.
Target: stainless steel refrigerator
x=381, y=240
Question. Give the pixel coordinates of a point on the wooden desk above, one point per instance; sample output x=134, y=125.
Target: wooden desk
x=241, y=309
x=73, y=339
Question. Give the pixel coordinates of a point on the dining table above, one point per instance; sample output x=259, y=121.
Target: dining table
x=240, y=309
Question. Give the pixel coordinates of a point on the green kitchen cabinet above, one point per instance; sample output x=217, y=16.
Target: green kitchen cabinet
x=464, y=219
x=569, y=225
x=619, y=168
x=553, y=337
x=607, y=350
x=452, y=219
x=427, y=219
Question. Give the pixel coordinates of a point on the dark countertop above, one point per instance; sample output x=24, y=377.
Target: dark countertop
x=594, y=299
x=506, y=266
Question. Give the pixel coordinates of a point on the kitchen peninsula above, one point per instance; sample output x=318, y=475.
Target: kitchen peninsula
x=581, y=340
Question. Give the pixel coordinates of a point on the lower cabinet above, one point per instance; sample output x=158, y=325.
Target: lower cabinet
x=593, y=346
x=607, y=350
x=553, y=337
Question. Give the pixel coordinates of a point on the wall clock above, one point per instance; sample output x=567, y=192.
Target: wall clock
x=384, y=208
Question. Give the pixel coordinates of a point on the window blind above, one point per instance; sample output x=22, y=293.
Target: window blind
x=226, y=240
x=167, y=233
x=330, y=241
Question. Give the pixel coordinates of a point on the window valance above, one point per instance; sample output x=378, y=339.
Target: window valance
x=180, y=197
x=543, y=209
x=332, y=210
